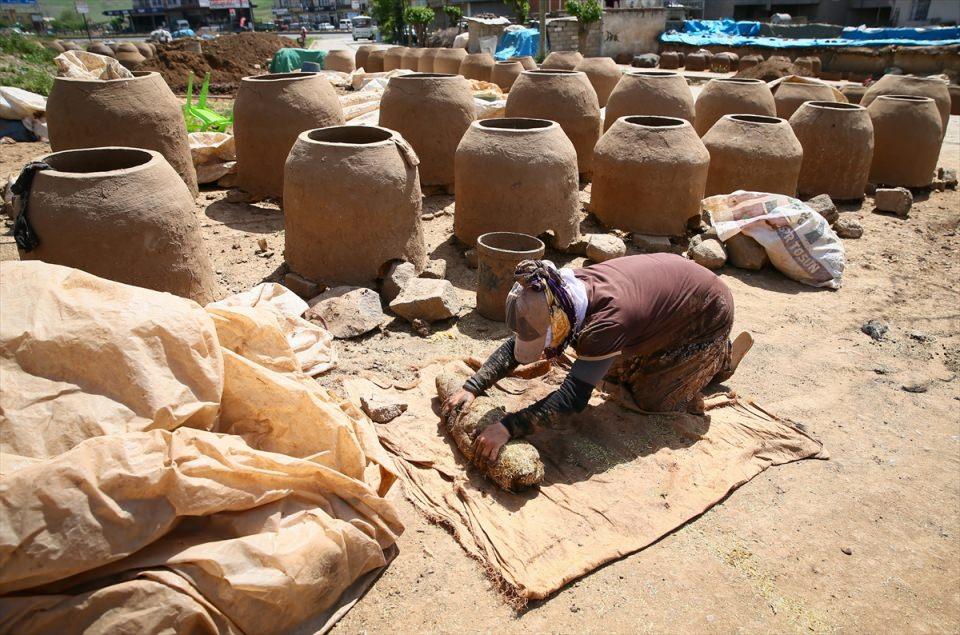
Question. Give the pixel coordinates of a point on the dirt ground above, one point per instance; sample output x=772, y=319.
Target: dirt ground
x=770, y=557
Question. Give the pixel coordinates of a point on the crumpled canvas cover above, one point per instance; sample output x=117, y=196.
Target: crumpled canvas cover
x=172, y=469
x=84, y=65
x=616, y=480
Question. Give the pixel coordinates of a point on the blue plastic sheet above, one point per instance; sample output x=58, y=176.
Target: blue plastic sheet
x=517, y=44
x=902, y=33
x=699, y=39
x=721, y=27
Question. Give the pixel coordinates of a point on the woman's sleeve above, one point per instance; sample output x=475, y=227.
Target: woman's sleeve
x=572, y=396
x=500, y=364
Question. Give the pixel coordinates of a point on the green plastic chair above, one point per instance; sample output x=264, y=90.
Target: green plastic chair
x=199, y=118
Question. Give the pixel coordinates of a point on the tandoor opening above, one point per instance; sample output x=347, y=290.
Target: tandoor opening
x=358, y=135
x=739, y=80
x=756, y=119
x=270, y=76
x=97, y=160
x=515, y=124
x=835, y=105
x=655, y=122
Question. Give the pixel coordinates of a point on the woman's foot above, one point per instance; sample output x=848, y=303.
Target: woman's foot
x=738, y=349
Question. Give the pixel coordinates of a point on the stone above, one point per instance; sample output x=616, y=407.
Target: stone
x=578, y=246
x=470, y=256
x=917, y=388
x=426, y=299
x=652, y=244
x=948, y=176
x=938, y=185
x=870, y=189
x=603, y=247
x=824, y=206
x=382, y=408
x=707, y=252
x=303, y=287
x=435, y=269
x=875, y=329
x=847, y=551
x=896, y=200
x=744, y=252
x=647, y=60
x=348, y=311
x=847, y=227
x=398, y=275
x=420, y=327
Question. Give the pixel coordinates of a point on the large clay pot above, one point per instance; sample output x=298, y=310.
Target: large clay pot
x=340, y=60
x=603, y=74
x=122, y=214
x=934, y=88
x=906, y=133
x=954, y=99
x=671, y=60
x=662, y=93
x=562, y=60
x=70, y=45
x=698, y=60
x=374, y=61
x=837, y=142
x=733, y=96
x=427, y=60
x=448, y=61
x=724, y=62
x=100, y=49
x=498, y=254
x=749, y=61
x=477, y=66
x=393, y=58
x=145, y=49
x=431, y=111
x=791, y=95
x=811, y=63
x=517, y=175
x=562, y=96
x=753, y=152
x=363, y=53
x=529, y=64
x=140, y=112
x=411, y=58
x=505, y=73
x=129, y=56
x=854, y=92
x=351, y=204
x=649, y=175
x=55, y=45
x=269, y=114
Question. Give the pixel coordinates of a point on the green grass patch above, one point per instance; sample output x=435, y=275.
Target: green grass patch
x=26, y=64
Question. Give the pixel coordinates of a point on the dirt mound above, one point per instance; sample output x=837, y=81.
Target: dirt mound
x=228, y=59
x=774, y=68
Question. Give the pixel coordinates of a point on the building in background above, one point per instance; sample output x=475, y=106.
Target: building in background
x=146, y=15
x=311, y=13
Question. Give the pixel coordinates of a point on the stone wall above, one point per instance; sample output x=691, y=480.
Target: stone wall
x=563, y=35
x=629, y=32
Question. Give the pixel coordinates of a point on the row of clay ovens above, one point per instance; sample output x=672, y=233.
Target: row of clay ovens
x=352, y=195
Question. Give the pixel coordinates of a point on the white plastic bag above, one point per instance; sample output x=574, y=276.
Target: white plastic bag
x=17, y=103
x=84, y=65
x=798, y=240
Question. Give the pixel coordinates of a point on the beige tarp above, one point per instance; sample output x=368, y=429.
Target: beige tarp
x=172, y=469
x=615, y=482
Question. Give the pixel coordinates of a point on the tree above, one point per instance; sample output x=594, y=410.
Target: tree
x=389, y=15
x=586, y=12
x=454, y=14
x=419, y=17
x=522, y=10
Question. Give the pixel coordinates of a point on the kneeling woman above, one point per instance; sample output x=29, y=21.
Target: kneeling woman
x=658, y=324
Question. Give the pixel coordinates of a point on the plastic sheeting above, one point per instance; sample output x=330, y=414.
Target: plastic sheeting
x=289, y=60
x=721, y=27
x=517, y=44
x=939, y=34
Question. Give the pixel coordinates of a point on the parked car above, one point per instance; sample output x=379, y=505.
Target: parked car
x=325, y=26
x=344, y=25
x=265, y=26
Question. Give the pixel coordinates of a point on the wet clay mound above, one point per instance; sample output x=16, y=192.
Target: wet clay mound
x=228, y=59
x=774, y=68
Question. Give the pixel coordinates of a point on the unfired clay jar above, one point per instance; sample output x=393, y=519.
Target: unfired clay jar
x=810, y=63
x=70, y=45
x=649, y=175
x=516, y=175
x=698, y=60
x=145, y=49
x=411, y=58
x=562, y=60
x=671, y=60
x=100, y=49
x=426, y=60
x=935, y=89
x=529, y=64
x=448, y=61
x=374, y=61
x=431, y=111
x=142, y=113
x=854, y=92
x=732, y=97
x=477, y=66
x=129, y=56
x=906, y=133
x=340, y=60
x=603, y=74
x=122, y=214
x=663, y=93
x=363, y=52
x=749, y=61
x=351, y=204
x=269, y=113
x=505, y=73
x=837, y=142
x=562, y=96
x=753, y=152
x=790, y=95
x=498, y=254
x=724, y=62
x=393, y=58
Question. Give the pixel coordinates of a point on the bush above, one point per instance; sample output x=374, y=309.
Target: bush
x=585, y=11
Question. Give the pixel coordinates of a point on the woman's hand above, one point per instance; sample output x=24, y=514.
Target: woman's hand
x=487, y=445
x=457, y=401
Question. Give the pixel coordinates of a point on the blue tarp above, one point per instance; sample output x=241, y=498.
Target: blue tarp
x=721, y=27
x=902, y=33
x=517, y=44
x=698, y=39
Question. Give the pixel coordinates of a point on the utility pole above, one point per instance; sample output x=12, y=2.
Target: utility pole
x=542, y=47
x=83, y=9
